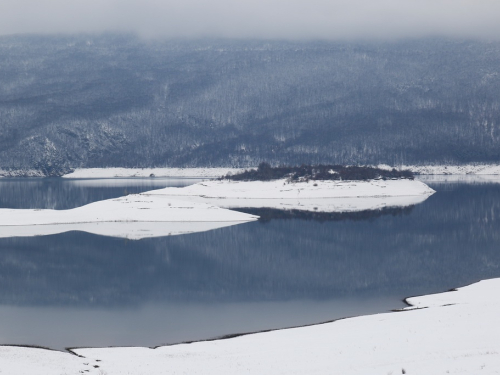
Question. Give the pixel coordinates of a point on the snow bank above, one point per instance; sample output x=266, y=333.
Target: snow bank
x=321, y=196
x=148, y=172
x=446, y=333
x=133, y=216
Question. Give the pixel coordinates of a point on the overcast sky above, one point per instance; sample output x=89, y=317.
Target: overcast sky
x=292, y=19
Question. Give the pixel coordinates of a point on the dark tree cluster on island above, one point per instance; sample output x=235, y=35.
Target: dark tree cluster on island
x=265, y=172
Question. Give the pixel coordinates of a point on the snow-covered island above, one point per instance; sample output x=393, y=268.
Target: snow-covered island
x=321, y=188
x=323, y=196
x=447, y=333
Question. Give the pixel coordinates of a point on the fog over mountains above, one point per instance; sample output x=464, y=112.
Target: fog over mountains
x=111, y=100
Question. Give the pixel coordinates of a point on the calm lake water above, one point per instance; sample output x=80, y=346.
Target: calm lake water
x=80, y=289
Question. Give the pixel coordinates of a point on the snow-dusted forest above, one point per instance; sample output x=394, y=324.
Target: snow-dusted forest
x=102, y=101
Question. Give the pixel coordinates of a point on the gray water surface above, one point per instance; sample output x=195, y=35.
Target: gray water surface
x=79, y=289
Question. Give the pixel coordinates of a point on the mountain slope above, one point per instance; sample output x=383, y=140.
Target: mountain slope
x=110, y=100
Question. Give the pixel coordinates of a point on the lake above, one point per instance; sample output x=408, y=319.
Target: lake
x=80, y=289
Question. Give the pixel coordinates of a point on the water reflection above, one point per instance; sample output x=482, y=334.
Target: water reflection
x=62, y=194
x=451, y=239
x=153, y=214
x=268, y=214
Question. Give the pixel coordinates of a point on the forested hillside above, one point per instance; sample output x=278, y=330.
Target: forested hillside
x=97, y=101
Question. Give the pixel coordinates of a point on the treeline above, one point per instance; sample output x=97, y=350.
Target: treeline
x=265, y=172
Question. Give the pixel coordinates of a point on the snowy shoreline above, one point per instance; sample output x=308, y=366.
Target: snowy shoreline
x=208, y=172
x=466, y=169
x=151, y=172
x=449, y=332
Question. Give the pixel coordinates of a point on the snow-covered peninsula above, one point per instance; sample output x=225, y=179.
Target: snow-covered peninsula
x=446, y=333
x=133, y=216
x=322, y=196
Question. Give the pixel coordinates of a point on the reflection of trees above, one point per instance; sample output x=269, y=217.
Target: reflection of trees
x=268, y=214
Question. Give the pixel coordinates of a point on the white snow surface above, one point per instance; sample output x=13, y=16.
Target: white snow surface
x=147, y=172
x=133, y=216
x=456, y=332
x=320, y=196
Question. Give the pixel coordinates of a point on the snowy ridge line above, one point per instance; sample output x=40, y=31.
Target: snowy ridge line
x=449, y=332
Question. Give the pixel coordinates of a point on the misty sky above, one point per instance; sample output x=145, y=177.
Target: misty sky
x=290, y=19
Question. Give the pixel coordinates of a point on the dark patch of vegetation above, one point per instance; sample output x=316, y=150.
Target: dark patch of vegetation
x=268, y=214
x=318, y=172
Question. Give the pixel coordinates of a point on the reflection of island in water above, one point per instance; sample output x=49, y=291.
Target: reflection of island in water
x=268, y=214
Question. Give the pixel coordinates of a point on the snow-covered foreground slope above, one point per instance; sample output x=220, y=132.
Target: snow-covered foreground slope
x=133, y=216
x=321, y=196
x=147, y=172
x=447, y=333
